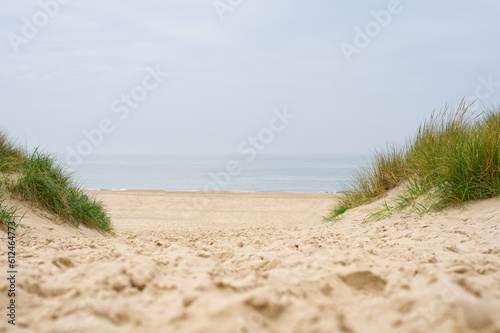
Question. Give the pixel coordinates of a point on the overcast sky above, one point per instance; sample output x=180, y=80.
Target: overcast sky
x=354, y=79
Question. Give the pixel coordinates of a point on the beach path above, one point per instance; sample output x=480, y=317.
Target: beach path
x=258, y=262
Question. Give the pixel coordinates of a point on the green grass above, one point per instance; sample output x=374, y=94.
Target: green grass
x=453, y=158
x=337, y=213
x=10, y=156
x=39, y=180
x=7, y=213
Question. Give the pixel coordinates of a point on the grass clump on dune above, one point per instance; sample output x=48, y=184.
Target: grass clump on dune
x=454, y=158
x=7, y=213
x=38, y=179
x=43, y=182
x=10, y=156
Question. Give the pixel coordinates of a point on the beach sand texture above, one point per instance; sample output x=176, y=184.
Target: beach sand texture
x=257, y=262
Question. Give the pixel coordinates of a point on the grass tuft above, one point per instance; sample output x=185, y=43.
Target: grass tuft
x=7, y=213
x=43, y=182
x=337, y=212
x=40, y=180
x=11, y=157
x=454, y=158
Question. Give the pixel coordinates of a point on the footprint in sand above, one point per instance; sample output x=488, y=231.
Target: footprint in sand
x=364, y=280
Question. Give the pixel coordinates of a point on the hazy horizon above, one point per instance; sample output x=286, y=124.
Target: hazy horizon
x=281, y=77
x=266, y=173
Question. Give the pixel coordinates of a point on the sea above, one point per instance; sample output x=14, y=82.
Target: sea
x=269, y=173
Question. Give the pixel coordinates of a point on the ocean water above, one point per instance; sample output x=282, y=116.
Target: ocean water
x=297, y=173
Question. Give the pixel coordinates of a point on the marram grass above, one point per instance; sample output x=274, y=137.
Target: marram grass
x=453, y=158
x=7, y=212
x=10, y=156
x=39, y=180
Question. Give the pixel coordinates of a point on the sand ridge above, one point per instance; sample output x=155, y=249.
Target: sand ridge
x=259, y=262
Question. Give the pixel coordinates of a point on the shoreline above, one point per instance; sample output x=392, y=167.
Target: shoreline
x=226, y=192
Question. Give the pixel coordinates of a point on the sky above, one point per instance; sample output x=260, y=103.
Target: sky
x=83, y=77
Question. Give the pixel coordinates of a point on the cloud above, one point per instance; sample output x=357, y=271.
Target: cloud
x=229, y=73
x=188, y=32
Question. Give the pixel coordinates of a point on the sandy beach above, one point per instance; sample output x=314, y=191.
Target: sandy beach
x=257, y=262
x=232, y=166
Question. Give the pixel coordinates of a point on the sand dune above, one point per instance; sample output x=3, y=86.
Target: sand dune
x=249, y=262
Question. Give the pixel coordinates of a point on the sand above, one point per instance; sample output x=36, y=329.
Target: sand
x=248, y=262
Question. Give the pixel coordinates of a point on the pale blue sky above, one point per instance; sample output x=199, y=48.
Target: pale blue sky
x=226, y=77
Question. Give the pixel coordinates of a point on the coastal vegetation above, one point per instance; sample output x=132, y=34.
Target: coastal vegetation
x=454, y=158
x=39, y=180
